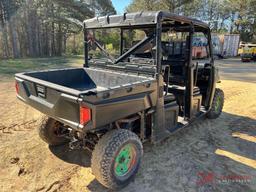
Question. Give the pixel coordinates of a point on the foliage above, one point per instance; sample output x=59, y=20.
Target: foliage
x=11, y=66
x=36, y=28
x=223, y=16
x=7, y=9
x=151, y=5
x=112, y=38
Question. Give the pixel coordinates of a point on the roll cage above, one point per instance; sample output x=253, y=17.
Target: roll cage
x=158, y=22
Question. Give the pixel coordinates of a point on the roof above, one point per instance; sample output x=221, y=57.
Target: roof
x=144, y=18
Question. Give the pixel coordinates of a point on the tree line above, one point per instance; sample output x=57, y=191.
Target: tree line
x=223, y=16
x=40, y=28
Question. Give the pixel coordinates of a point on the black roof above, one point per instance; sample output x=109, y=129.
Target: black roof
x=144, y=18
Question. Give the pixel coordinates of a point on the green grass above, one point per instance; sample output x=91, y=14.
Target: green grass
x=11, y=66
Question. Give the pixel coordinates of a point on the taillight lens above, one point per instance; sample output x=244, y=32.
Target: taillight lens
x=85, y=115
x=17, y=87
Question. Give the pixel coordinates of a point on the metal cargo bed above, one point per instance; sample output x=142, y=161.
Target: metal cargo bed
x=60, y=94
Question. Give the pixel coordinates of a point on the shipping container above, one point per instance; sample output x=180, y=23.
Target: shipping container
x=231, y=45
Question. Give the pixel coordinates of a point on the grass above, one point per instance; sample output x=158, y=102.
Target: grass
x=11, y=66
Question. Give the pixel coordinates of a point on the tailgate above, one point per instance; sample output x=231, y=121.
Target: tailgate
x=50, y=101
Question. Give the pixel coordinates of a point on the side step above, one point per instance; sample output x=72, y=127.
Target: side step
x=182, y=123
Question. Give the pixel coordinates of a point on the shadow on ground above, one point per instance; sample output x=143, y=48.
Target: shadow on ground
x=77, y=156
x=175, y=164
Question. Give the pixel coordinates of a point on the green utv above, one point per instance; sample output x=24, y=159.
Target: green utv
x=145, y=91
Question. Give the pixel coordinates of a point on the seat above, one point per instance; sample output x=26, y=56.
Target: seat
x=179, y=92
x=169, y=98
x=176, y=71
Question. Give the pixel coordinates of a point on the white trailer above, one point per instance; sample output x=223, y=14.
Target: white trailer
x=230, y=45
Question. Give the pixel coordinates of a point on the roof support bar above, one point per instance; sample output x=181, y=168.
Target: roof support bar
x=159, y=129
x=189, y=76
x=121, y=41
x=86, y=49
x=135, y=47
x=104, y=51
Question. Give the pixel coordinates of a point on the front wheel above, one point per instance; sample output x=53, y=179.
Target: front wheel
x=217, y=104
x=116, y=158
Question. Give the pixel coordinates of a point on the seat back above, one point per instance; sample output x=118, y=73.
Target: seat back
x=175, y=57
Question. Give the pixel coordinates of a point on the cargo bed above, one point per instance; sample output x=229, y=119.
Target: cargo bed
x=60, y=93
x=81, y=80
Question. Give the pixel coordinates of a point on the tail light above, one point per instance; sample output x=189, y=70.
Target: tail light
x=17, y=87
x=85, y=115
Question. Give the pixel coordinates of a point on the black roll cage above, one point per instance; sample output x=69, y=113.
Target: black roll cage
x=162, y=21
x=159, y=22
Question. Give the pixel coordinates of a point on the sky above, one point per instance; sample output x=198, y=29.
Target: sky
x=120, y=5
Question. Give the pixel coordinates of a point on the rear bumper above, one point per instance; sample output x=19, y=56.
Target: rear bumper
x=60, y=106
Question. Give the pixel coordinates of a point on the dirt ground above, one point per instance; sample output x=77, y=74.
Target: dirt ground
x=210, y=155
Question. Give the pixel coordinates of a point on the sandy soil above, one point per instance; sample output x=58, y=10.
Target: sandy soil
x=210, y=155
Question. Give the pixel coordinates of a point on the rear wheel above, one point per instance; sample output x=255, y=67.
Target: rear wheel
x=217, y=104
x=116, y=158
x=50, y=131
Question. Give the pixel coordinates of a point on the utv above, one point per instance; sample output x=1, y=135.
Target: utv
x=147, y=90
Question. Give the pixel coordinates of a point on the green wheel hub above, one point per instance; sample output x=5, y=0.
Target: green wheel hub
x=125, y=160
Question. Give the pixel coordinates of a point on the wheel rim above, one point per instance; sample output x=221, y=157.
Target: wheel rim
x=125, y=160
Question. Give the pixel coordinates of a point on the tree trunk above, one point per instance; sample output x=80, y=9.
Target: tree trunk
x=39, y=37
x=14, y=38
x=64, y=43
x=74, y=44
x=59, y=39
x=29, y=26
x=47, y=45
x=53, y=49
x=6, y=53
x=36, y=41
